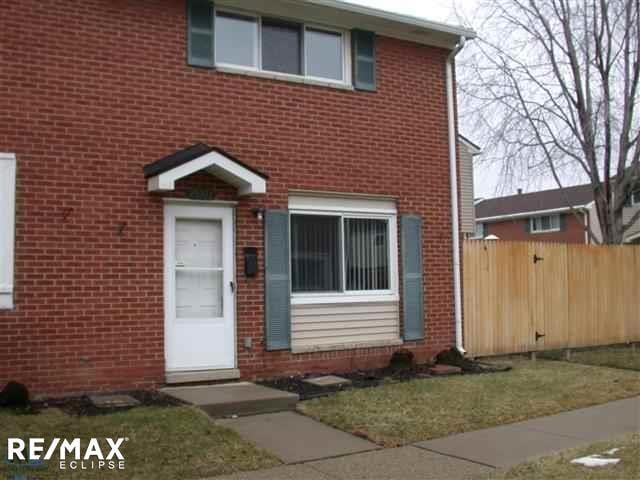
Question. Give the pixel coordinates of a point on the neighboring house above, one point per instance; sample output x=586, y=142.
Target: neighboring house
x=204, y=193
x=467, y=152
x=559, y=215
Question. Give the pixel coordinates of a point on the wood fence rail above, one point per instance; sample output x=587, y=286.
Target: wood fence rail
x=531, y=296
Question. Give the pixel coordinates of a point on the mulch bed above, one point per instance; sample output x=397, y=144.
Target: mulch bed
x=82, y=406
x=364, y=379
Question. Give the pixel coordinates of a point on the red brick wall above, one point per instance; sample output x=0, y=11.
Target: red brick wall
x=91, y=91
x=516, y=230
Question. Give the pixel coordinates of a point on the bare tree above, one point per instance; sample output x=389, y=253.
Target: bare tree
x=555, y=86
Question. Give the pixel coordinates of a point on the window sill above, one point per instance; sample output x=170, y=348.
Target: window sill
x=283, y=77
x=347, y=346
x=320, y=299
x=540, y=232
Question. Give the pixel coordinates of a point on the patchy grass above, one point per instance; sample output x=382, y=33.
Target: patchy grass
x=398, y=414
x=559, y=467
x=164, y=443
x=614, y=357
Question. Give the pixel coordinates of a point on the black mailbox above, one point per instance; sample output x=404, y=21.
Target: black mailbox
x=250, y=261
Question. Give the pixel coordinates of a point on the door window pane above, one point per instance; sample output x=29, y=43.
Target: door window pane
x=281, y=47
x=236, y=39
x=324, y=54
x=198, y=294
x=315, y=253
x=199, y=274
x=366, y=243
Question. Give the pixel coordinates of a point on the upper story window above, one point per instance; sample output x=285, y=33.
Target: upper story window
x=272, y=45
x=236, y=41
x=547, y=223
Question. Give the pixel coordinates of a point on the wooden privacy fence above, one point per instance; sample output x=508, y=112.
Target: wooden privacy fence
x=526, y=297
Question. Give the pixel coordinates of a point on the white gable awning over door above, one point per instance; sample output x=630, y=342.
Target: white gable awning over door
x=162, y=175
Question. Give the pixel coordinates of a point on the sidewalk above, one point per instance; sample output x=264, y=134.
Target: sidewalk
x=313, y=451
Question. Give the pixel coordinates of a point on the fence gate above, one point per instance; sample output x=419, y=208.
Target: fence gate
x=524, y=297
x=549, y=294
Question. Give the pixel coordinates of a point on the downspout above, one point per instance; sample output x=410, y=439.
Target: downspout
x=455, y=207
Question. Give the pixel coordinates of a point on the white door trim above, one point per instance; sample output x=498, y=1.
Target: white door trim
x=198, y=211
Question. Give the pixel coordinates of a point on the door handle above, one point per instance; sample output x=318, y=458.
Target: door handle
x=232, y=286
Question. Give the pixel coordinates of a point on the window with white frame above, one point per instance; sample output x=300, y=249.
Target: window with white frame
x=479, y=231
x=7, y=227
x=546, y=223
x=635, y=198
x=343, y=252
x=272, y=45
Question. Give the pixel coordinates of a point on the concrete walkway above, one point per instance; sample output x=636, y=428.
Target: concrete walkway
x=314, y=451
x=510, y=445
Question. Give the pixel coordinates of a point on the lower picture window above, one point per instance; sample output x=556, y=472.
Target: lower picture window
x=315, y=253
x=336, y=254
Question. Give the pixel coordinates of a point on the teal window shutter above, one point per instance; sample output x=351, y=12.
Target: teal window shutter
x=277, y=283
x=200, y=35
x=412, y=275
x=364, y=60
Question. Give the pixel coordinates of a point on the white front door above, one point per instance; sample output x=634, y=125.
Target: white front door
x=199, y=288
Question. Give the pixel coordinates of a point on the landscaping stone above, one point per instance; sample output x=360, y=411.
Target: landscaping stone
x=328, y=381
x=441, y=370
x=113, y=401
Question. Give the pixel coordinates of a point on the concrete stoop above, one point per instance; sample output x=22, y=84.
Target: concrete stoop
x=228, y=399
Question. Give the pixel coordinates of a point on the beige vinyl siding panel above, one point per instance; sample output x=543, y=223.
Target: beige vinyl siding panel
x=319, y=327
x=628, y=215
x=467, y=208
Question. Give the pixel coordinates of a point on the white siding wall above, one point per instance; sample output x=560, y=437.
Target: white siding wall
x=336, y=326
x=467, y=208
x=628, y=214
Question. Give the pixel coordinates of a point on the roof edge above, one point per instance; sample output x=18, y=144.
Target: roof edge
x=531, y=213
x=397, y=17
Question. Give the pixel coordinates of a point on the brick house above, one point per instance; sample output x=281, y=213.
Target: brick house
x=206, y=192
x=559, y=215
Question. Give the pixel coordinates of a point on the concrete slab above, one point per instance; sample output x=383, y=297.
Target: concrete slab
x=500, y=447
x=328, y=381
x=113, y=401
x=295, y=438
x=240, y=398
x=407, y=463
x=592, y=424
x=288, y=472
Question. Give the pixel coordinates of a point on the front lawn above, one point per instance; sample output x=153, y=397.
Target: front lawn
x=404, y=413
x=559, y=467
x=164, y=443
x=615, y=357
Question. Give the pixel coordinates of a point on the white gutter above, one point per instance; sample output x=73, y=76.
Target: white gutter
x=455, y=207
